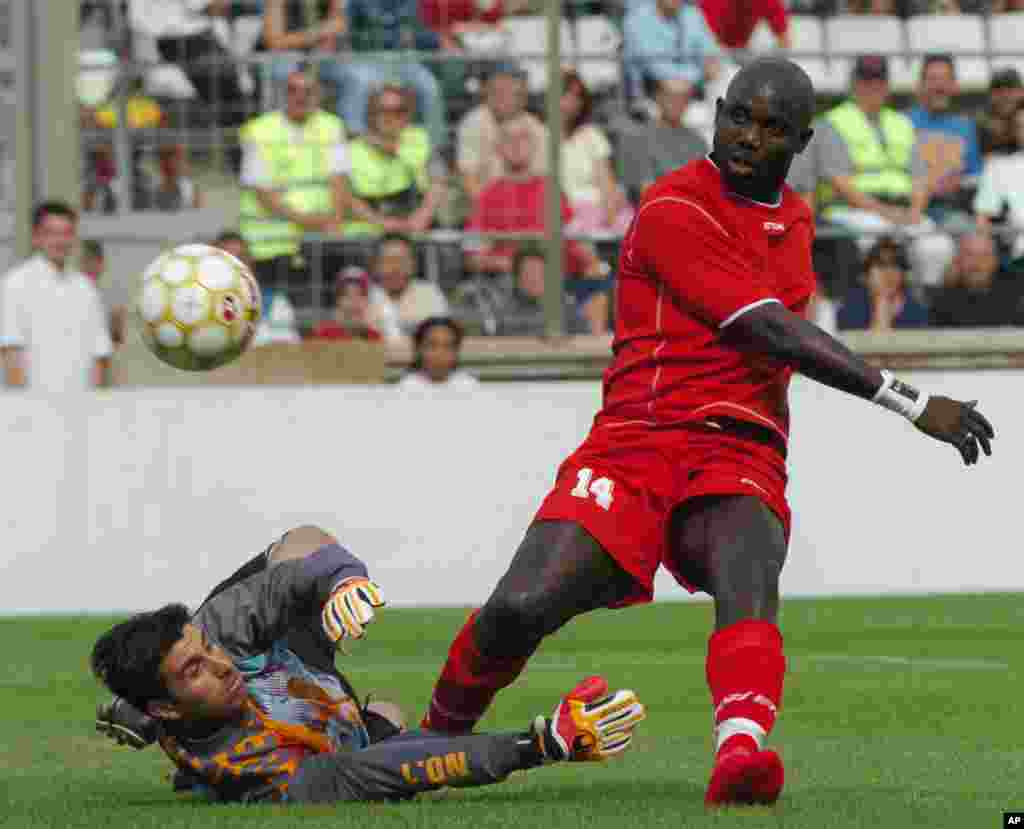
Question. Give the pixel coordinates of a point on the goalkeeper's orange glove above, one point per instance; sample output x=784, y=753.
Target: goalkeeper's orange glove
x=350, y=609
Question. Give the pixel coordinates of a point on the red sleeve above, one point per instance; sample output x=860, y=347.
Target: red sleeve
x=683, y=245
x=778, y=21
x=495, y=13
x=430, y=13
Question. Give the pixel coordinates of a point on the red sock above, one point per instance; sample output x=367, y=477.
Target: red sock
x=745, y=670
x=467, y=684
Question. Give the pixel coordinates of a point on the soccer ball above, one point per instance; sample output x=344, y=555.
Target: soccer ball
x=198, y=307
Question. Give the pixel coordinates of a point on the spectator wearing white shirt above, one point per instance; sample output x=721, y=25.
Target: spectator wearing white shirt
x=398, y=301
x=436, y=343
x=53, y=327
x=1001, y=188
x=184, y=35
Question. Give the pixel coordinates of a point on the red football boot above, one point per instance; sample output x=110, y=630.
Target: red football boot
x=744, y=775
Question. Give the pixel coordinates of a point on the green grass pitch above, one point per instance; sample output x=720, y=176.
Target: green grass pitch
x=898, y=712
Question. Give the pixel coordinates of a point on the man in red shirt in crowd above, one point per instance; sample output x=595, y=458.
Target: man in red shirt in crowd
x=685, y=463
x=515, y=203
x=734, y=21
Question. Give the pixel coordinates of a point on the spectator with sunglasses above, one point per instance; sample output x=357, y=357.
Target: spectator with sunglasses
x=396, y=179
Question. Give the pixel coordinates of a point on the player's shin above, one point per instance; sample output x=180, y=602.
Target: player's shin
x=468, y=683
x=745, y=670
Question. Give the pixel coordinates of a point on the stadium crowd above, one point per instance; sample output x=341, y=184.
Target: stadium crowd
x=367, y=186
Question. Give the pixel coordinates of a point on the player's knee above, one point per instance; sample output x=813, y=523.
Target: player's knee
x=389, y=711
x=527, y=615
x=300, y=542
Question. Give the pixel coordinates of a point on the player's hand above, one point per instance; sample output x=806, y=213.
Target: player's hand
x=350, y=609
x=959, y=424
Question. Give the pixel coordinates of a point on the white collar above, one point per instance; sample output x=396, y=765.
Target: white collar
x=770, y=205
x=40, y=259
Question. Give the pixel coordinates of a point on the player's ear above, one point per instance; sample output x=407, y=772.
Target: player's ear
x=805, y=139
x=163, y=709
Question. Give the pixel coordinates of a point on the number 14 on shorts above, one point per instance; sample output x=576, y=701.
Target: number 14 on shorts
x=601, y=489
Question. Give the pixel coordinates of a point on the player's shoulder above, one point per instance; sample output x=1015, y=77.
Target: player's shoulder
x=794, y=206
x=694, y=190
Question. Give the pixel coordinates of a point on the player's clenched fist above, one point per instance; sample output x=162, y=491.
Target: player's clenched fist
x=350, y=609
x=957, y=423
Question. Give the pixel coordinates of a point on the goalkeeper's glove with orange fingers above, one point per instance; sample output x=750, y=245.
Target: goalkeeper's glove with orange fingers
x=350, y=609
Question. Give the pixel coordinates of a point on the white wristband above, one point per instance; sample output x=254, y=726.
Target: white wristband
x=897, y=396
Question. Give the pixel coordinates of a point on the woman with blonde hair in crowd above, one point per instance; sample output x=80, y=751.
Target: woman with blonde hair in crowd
x=599, y=204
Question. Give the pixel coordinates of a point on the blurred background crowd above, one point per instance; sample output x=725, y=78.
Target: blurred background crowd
x=381, y=163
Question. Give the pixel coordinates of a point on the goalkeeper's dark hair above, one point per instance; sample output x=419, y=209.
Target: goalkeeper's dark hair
x=127, y=657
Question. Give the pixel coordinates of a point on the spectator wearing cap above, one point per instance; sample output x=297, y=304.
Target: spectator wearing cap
x=881, y=300
x=872, y=177
x=504, y=99
x=437, y=344
x=948, y=142
x=995, y=123
x=976, y=292
x=1001, y=188
x=351, y=319
x=668, y=39
x=398, y=300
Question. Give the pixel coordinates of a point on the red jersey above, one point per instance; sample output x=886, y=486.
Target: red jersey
x=507, y=205
x=695, y=258
x=440, y=14
x=333, y=330
x=733, y=22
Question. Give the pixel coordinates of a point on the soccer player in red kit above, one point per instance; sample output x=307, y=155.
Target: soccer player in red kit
x=685, y=463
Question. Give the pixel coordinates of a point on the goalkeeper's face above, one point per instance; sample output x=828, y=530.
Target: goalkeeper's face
x=203, y=681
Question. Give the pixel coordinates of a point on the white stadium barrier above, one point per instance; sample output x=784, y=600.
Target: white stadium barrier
x=128, y=499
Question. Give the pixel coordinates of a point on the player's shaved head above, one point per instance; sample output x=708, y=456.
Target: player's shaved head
x=780, y=80
x=761, y=124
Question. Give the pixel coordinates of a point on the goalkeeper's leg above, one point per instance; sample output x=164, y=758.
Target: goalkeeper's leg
x=558, y=572
x=588, y=724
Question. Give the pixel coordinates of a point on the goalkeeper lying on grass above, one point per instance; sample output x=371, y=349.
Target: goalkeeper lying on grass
x=243, y=696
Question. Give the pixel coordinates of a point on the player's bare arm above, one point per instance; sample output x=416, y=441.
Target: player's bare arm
x=779, y=333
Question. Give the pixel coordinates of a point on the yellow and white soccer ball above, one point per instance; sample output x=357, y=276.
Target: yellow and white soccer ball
x=198, y=307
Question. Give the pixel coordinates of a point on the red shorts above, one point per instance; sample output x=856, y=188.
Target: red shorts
x=624, y=481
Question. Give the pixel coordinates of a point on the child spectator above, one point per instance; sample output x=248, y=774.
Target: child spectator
x=437, y=342
x=351, y=319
